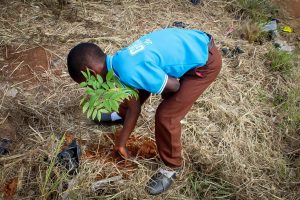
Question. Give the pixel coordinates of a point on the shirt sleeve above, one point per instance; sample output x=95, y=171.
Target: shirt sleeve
x=147, y=77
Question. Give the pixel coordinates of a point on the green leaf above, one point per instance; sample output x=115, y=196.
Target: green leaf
x=90, y=111
x=118, y=83
x=82, y=101
x=99, y=115
x=107, y=95
x=104, y=85
x=85, y=107
x=92, y=100
x=134, y=93
x=114, y=105
x=94, y=114
x=84, y=74
x=90, y=82
x=98, y=85
x=83, y=84
x=100, y=106
x=99, y=78
x=88, y=73
x=93, y=78
x=103, y=111
x=109, y=75
x=110, y=85
x=99, y=92
x=107, y=105
x=96, y=103
x=119, y=96
x=103, y=97
x=90, y=91
x=94, y=84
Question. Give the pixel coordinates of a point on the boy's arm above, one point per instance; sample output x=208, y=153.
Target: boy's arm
x=172, y=86
x=132, y=114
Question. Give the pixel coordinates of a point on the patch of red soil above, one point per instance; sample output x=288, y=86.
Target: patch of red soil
x=292, y=8
x=142, y=147
x=10, y=188
x=69, y=137
x=139, y=147
x=26, y=65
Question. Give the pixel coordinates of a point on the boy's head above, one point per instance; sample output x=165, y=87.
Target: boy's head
x=83, y=56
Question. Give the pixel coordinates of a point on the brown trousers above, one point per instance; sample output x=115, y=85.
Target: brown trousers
x=173, y=108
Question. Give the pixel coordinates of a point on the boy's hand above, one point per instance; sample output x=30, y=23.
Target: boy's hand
x=120, y=148
x=172, y=86
x=122, y=135
x=123, y=151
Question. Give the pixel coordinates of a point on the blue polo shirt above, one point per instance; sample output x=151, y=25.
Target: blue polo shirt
x=147, y=62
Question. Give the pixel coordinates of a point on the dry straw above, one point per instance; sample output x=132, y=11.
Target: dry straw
x=232, y=146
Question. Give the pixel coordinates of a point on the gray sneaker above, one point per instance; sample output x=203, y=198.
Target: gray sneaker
x=161, y=181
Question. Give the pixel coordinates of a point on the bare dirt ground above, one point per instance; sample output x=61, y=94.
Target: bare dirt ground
x=234, y=144
x=291, y=8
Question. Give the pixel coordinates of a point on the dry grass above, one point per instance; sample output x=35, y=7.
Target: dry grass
x=233, y=146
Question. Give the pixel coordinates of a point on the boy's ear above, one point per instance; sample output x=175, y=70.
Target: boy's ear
x=93, y=72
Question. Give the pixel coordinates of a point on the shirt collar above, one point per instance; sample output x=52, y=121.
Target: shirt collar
x=109, y=64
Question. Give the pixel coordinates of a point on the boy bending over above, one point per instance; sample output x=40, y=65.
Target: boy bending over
x=177, y=63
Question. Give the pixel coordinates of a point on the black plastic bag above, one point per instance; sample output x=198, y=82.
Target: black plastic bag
x=69, y=158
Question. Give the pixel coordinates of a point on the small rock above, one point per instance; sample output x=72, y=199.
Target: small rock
x=195, y=2
x=4, y=146
x=179, y=24
x=12, y=92
x=230, y=53
x=238, y=50
x=225, y=51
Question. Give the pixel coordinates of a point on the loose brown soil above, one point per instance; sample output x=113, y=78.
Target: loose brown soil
x=25, y=65
x=142, y=147
x=10, y=188
x=292, y=8
x=138, y=147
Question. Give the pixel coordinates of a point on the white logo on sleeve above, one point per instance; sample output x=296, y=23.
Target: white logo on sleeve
x=148, y=41
x=138, y=46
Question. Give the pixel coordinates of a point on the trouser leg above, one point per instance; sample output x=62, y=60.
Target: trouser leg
x=173, y=109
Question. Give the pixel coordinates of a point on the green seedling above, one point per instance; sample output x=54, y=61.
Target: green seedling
x=103, y=96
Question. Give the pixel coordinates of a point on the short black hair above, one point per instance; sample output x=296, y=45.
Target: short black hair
x=81, y=56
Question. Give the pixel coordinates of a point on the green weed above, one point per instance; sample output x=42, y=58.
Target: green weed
x=256, y=10
x=292, y=108
x=52, y=179
x=281, y=61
